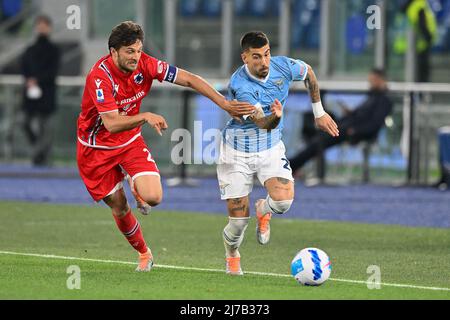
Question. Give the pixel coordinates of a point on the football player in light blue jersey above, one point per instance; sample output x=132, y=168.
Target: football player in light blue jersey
x=252, y=145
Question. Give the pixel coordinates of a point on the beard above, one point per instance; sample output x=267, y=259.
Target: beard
x=127, y=65
x=263, y=73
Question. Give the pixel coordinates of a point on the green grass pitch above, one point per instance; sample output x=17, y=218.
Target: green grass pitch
x=410, y=257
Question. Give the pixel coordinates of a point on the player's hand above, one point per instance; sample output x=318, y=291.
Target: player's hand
x=31, y=82
x=277, y=108
x=327, y=124
x=156, y=121
x=237, y=109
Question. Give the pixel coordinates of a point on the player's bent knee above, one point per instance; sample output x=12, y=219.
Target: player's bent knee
x=118, y=203
x=153, y=199
x=281, y=206
x=233, y=233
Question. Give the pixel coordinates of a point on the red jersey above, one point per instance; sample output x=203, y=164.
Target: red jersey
x=108, y=89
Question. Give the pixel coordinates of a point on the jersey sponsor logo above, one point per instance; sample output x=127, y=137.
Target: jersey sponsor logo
x=98, y=82
x=140, y=94
x=127, y=109
x=138, y=78
x=99, y=94
x=116, y=89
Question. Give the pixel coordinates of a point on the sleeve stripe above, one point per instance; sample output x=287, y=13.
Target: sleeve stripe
x=302, y=66
x=165, y=75
x=109, y=111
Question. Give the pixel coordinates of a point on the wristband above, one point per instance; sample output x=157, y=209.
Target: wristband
x=318, y=109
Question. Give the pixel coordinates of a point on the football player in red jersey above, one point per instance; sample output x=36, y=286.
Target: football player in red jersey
x=110, y=146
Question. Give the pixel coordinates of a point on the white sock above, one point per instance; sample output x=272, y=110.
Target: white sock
x=277, y=207
x=233, y=234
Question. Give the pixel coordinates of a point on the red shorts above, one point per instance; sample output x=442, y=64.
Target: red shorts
x=102, y=170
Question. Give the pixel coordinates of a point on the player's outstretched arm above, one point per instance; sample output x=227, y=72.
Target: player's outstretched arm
x=272, y=121
x=235, y=108
x=323, y=119
x=116, y=123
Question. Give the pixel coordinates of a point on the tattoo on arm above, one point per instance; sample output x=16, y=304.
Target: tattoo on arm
x=268, y=123
x=312, y=85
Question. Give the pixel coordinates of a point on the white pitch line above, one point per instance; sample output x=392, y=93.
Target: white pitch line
x=51, y=256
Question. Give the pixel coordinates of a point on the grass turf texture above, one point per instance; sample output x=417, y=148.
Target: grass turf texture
x=405, y=255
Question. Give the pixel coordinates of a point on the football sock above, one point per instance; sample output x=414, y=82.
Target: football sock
x=131, y=229
x=233, y=234
x=277, y=207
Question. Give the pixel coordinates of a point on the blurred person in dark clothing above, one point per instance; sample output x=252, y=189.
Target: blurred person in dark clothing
x=423, y=20
x=361, y=124
x=40, y=64
x=444, y=158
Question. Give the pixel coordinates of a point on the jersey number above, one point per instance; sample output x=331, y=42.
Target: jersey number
x=286, y=165
x=149, y=157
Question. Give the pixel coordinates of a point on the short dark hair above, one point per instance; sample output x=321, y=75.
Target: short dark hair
x=254, y=39
x=379, y=72
x=125, y=34
x=43, y=18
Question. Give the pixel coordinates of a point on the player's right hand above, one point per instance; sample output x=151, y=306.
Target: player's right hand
x=156, y=121
x=237, y=109
x=277, y=108
x=327, y=124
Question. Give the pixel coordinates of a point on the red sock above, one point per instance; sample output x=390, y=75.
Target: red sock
x=131, y=229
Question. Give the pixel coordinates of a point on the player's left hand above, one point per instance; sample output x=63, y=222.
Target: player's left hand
x=237, y=109
x=327, y=124
x=277, y=108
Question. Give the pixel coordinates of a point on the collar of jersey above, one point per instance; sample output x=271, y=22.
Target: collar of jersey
x=255, y=78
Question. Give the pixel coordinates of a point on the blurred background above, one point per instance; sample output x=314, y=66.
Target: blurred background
x=203, y=36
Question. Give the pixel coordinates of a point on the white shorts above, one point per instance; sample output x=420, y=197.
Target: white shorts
x=236, y=169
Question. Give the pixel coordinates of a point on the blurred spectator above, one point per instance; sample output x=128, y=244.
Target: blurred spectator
x=444, y=158
x=423, y=20
x=40, y=64
x=8, y=10
x=361, y=124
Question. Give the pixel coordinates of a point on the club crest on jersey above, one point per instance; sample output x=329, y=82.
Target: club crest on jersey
x=138, y=78
x=222, y=188
x=279, y=82
x=99, y=94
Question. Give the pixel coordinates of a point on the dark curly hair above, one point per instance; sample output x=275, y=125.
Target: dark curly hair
x=125, y=34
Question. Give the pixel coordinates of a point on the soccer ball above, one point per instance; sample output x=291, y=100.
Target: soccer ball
x=311, y=267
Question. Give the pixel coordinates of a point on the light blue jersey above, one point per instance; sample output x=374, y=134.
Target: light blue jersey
x=246, y=136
